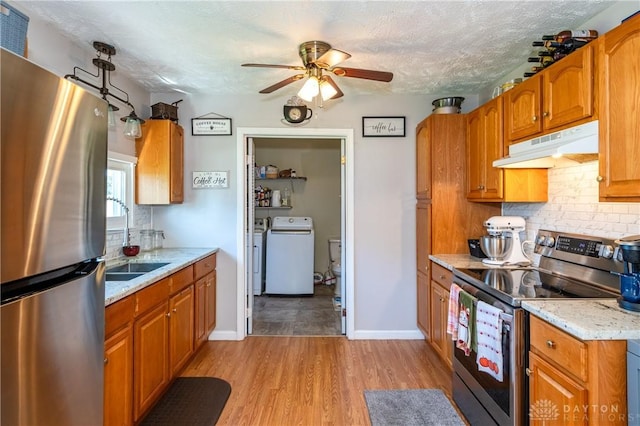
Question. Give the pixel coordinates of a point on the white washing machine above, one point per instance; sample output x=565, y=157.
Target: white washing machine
x=259, y=255
x=290, y=255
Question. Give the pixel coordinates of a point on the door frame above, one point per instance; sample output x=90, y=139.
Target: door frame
x=348, y=138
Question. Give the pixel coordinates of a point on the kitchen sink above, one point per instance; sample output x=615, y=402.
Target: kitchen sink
x=136, y=267
x=122, y=276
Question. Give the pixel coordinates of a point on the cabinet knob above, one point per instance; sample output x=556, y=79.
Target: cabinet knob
x=528, y=371
x=480, y=187
x=106, y=360
x=551, y=344
x=442, y=277
x=545, y=114
x=534, y=118
x=168, y=314
x=175, y=310
x=600, y=178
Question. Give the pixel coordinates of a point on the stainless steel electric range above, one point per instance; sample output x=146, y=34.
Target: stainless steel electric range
x=571, y=266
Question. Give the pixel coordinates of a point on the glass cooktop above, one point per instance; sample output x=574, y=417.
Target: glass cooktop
x=528, y=283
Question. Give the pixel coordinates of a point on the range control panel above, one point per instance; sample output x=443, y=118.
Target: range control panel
x=596, y=252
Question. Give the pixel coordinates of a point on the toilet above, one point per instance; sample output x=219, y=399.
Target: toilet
x=335, y=249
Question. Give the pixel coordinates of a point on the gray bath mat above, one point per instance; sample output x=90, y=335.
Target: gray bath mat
x=411, y=407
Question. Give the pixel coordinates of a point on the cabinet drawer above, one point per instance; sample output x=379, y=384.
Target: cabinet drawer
x=441, y=275
x=118, y=314
x=150, y=296
x=206, y=265
x=555, y=345
x=180, y=279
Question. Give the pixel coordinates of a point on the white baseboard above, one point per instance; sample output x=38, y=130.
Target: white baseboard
x=388, y=335
x=223, y=335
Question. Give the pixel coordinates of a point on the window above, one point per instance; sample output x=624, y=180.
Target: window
x=120, y=187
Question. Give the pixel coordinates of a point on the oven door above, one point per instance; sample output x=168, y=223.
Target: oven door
x=503, y=401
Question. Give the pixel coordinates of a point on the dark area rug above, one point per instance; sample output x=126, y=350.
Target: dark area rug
x=412, y=407
x=191, y=401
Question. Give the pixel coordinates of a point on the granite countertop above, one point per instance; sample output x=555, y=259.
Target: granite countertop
x=451, y=261
x=591, y=319
x=177, y=258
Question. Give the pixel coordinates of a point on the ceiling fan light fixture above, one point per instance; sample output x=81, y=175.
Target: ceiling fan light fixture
x=310, y=89
x=327, y=91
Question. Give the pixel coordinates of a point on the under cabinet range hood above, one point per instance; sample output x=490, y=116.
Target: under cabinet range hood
x=576, y=144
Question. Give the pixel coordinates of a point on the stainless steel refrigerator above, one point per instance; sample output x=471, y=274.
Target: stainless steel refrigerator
x=53, y=166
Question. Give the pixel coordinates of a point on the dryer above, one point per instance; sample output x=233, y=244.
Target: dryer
x=290, y=256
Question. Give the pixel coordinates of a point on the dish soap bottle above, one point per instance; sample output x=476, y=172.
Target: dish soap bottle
x=286, y=197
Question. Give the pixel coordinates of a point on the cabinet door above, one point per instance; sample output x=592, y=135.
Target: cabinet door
x=177, y=164
x=423, y=236
x=200, y=316
x=151, y=358
x=423, y=303
x=439, y=312
x=492, y=133
x=423, y=161
x=181, y=326
x=551, y=393
x=118, y=378
x=523, y=105
x=211, y=303
x=618, y=113
x=475, y=154
x=568, y=89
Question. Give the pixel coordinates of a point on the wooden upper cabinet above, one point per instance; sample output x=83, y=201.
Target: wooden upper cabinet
x=160, y=167
x=423, y=161
x=619, y=112
x=523, y=108
x=558, y=97
x=484, y=145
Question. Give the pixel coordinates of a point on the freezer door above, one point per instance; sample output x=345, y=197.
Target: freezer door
x=53, y=170
x=53, y=353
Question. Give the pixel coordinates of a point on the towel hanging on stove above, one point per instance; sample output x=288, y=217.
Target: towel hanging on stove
x=489, y=340
x=454, y=312
x=466, y=322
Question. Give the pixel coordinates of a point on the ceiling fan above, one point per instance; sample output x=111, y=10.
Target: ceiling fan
x=319, y=57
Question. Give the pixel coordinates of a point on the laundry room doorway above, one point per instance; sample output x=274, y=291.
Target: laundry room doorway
x=314, y=180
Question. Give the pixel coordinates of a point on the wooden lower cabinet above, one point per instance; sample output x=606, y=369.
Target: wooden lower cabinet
x=573, y=381
x=151, y=358
x=118, y=378
x=151, y=336
x=441, y=280
x=181, y=329
x=423, y=304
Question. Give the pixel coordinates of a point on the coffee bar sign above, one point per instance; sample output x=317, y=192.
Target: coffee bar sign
x=210, y=180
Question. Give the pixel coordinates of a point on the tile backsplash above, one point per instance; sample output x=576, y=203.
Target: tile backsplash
x=573, y=207
x=141, y=219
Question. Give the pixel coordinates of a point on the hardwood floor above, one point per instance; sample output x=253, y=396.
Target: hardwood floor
x=314, y=380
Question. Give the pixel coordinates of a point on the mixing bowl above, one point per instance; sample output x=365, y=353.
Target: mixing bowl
x=496, y=247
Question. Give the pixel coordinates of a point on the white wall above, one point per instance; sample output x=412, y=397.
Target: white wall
x=384, y=199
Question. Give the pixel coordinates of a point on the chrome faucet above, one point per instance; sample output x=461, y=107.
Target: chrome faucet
x=126, y=220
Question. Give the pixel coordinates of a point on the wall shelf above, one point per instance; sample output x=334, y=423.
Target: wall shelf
x=283, y=178
x=267, y=208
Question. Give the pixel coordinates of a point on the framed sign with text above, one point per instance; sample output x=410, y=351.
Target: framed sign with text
x=210, y=180
x=211, y=126
x=383, y=127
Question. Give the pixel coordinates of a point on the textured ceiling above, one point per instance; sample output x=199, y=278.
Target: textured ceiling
x=197, y=46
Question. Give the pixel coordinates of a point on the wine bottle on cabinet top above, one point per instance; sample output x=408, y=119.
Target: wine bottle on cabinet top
x=563, y=35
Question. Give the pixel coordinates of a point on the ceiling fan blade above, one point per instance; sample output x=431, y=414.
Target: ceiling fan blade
x=289, y=67
x=361, y=73
x=331, y=57
x=282, y=83
x=334, y=85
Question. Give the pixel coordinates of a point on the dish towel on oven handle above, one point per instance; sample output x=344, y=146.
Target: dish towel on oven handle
x=489, y=340
x=454, y=311
x=466, y=322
